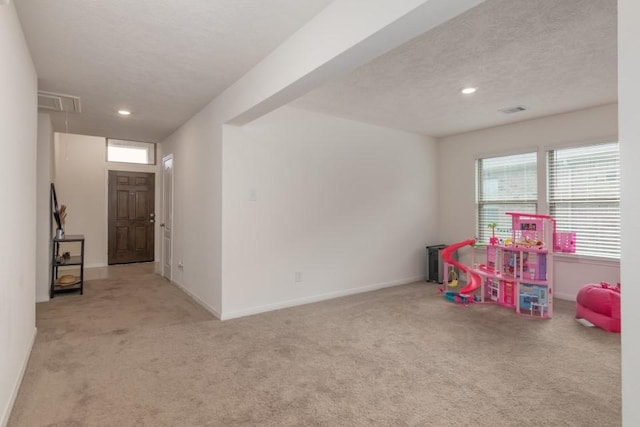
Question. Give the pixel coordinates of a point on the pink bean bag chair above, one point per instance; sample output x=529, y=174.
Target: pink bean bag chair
x=600, y=305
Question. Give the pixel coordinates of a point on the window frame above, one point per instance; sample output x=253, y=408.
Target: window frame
x=152, y=150
x=551, y=203
x=509, y=204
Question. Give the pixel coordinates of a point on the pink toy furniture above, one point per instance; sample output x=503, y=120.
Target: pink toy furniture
x=600, y=305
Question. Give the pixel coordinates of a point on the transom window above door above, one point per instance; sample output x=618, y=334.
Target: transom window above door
x=122, y=151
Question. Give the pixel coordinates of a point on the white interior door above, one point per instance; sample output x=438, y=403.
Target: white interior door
x=167, y=214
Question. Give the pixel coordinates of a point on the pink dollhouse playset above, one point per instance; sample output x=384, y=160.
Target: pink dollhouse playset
x=517, y=272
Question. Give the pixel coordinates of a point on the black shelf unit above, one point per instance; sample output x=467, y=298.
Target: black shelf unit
x=56, y=263
x=435, y=266
x=434, y=263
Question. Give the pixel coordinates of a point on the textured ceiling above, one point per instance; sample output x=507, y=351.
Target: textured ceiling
x=550, y=56
x=165, y=61
x=162, y=59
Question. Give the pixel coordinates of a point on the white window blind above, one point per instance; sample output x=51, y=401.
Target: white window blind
x=505, y=184
x=584, y=196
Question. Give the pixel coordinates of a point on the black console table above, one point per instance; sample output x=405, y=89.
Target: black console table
x=57, y=261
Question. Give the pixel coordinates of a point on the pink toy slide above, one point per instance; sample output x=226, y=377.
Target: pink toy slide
x=474, y=280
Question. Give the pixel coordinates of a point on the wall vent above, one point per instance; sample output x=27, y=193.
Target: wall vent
x=511, y=110
x=58, y=102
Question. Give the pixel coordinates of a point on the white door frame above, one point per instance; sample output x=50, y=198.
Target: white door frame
x=164, y=220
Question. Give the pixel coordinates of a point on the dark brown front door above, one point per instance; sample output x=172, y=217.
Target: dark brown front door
x=131, y=217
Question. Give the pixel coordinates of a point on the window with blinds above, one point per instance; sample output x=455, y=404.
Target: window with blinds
x=505, y=184
x=584, y=196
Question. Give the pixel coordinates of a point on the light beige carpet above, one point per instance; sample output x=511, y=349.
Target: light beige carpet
x=137, y=351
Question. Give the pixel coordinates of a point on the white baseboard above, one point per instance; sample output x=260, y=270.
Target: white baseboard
x=43, y=298
x=316, y=298
x=94, y=265
x=16, y=386
x=563, y=296
x=197, y=299
x=103, y=265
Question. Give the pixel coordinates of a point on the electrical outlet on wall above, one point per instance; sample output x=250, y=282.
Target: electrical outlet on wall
x=298, y=276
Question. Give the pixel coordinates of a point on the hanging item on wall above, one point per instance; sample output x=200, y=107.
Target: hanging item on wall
x=54, y=206
x=59, y=214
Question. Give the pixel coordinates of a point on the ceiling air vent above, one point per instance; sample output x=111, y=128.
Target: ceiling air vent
x=511, y=110
x=58, y=102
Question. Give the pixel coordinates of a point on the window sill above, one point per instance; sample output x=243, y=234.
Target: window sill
x=586, y=259
x=575, y=258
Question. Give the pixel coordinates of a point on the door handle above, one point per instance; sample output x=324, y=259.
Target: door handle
x=162, y=225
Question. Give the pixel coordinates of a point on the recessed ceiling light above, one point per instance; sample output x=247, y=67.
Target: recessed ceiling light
x=469, y=90
x=124, y=112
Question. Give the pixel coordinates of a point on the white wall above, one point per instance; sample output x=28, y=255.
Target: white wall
x=457, y=156
x=197, y=234
x=311, y=57
x=43, y=211
x=628, y=94
x=348, y=205
x=18, y=135
x=81, y=179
